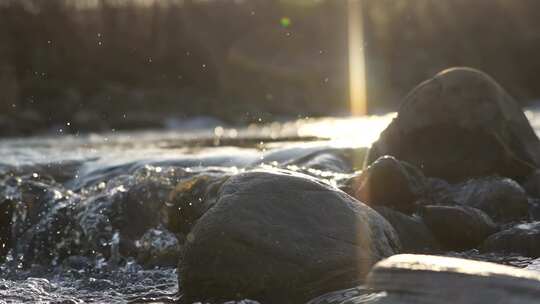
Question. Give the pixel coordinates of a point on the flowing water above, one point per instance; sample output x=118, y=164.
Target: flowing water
x=81, y=217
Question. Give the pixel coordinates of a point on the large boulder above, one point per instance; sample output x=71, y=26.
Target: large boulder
x=461, y=124
x=279, y=237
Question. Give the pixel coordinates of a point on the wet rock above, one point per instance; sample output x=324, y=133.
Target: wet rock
x=501, y=198
x=534, y=209
x=437, y=192
x=158, y=247
x=414, y=235
x=120, y=218
x=77, y=262
x=357, y=295
x=532, y=184
x=52, y=239
x=461, y=124
x=411, y=279
x=141, y=206
x=129, y=206
x=458, y=227
x=30, y=194
x=6, y=213
x=190, y=200
x=388, y=182
x=523, y=239
x=279, y=237
x=25, y=202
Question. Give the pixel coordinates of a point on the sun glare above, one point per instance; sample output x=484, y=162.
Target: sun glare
x=348, y=133
x=357, y=66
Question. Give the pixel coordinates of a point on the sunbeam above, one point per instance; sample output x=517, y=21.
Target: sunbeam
x=357, y=64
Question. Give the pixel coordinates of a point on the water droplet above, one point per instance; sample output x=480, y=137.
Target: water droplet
x=218, y=131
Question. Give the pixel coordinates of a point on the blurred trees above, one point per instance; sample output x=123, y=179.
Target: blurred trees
x=410, y=40
x=103, y=64
x=113, y=63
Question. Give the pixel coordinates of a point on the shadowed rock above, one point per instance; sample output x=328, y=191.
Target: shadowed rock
x=388, y=182
x=190, y=199
x=501, y=198
x=534, y=209
x=6, y=214
x=414, y=235
x=461, y=124
x=532, y=184
x=278, y=237
x=523, y=239
x=458, y=227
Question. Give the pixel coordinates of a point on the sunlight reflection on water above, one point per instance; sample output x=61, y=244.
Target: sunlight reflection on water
x=348, y=132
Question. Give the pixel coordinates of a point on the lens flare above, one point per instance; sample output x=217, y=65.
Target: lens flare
x=357, y=64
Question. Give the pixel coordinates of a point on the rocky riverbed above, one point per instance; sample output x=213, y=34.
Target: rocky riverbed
x=438, y=203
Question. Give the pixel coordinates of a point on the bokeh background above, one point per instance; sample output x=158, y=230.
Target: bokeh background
x=101, y=65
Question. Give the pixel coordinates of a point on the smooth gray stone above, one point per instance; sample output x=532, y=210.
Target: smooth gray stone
x=414, y=279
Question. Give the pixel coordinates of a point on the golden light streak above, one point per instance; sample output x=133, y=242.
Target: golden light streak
x=357, y=61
